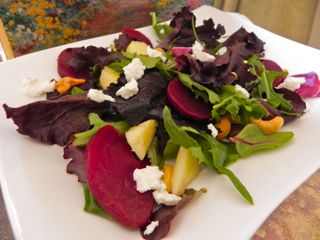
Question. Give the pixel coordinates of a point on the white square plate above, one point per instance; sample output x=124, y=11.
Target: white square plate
x=44, y=202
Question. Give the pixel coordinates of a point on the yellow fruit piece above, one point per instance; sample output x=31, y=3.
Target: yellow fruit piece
x=167, y=177
x=137, y=47
x=140, y=137
x=185, y=170
x=108, y=76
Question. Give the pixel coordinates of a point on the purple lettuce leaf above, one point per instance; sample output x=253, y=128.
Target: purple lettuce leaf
x=231, y=65
x=227, y=68
x=209, y=34
x=122, y=42
x=298, y=105
x=252, y=43
x=165, y=214
x=55, y=121
x=311, y=86
x=148, y=103
x=182, y=34
x=87, y=57
x=77, y=164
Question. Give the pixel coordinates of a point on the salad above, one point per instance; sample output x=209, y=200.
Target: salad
x=125, y=112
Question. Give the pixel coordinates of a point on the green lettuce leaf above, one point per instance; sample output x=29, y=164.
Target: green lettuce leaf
x=265, y=88
x=252, y=139
x=119, y=65
x=91, y=205
x=153, y=154
x=236, y=104
x=162, y=30
x=81, y=139
x=200, y=91
x=166, y=68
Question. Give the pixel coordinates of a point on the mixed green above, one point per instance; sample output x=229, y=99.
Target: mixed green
x=179, y=95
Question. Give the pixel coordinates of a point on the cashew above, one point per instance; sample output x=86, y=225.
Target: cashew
x=224, y=126
x=268, y=127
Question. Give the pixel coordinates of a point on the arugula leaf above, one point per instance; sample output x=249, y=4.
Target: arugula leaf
x=91, y=205
x=236, y=104
x=76, y=90
x=265, y=86
x=148, y=62
x=205, y=148
x=233, y=154
x=154, y=155
x=162, y=30
x=176, y=133
x=252, y=139
x=81, y=139
x=199, y=90
x=119, y=65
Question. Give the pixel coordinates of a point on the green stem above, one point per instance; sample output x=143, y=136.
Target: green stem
x=194, y=29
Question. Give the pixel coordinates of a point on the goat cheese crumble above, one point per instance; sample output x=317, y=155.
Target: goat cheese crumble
x=32, y=87
x=151, y=227
x=163, y=197
x=99, y=96
x=199, y=54
x=214, y=131
x=242, y=90
x=134, y=70
x=149, y=178
x=155, y=53
x=128, y=90
x=292, y=83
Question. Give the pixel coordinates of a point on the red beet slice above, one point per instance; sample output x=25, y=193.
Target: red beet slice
x=136, y=35
x=178, y=51
x=64, y=69
x=184, y=101
x=110, y=164
x=273, y=66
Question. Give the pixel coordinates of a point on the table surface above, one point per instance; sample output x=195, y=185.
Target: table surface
x=297, y=218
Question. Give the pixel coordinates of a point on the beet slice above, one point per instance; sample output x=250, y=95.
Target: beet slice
x=64, y=69
x=179, y=51
x=184, y=101
x=110, y=164
x=136, y=35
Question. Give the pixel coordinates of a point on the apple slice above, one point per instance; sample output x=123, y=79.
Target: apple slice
x=108, y=76
x=137, y=47
x=140, y=137
x=185, y=170
x=110, y=164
